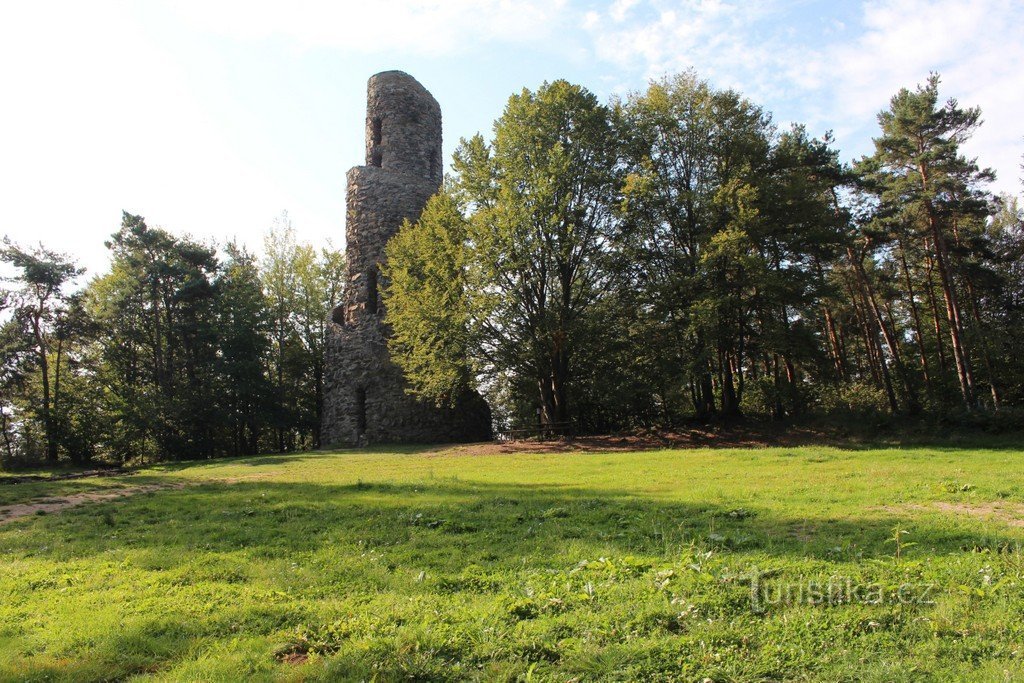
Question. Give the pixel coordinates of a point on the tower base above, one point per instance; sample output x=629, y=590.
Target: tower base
x=365, y=398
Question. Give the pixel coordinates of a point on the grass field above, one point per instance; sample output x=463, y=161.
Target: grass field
x=727, y=565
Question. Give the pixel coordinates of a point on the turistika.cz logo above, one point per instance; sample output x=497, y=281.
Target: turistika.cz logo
x=834, y=592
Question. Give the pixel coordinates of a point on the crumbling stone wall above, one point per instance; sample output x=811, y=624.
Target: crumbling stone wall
x=364, y=395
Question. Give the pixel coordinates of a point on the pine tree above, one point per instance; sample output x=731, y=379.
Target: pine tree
x=922, y=175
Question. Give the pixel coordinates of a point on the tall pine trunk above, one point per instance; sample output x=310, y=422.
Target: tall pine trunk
x=916, y=316
x=960, y=355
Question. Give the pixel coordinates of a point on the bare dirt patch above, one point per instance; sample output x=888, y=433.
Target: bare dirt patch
x=1011, y=514
x=45, y=506
x=50, y=505
x=294, y=658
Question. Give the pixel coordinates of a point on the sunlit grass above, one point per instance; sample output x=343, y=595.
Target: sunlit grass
x=433, y=565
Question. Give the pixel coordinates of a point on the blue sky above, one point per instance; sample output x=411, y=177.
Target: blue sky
x=212, y=117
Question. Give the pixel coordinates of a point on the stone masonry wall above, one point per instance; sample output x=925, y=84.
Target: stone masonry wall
x=365, y=399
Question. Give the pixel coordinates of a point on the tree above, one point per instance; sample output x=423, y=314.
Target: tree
x=318, y=279
x=37, y=301
x=1003, y=303
x=538, y=249
x=301, y=285
x=919, y=173
x=157, y=307
x=426, y=276
x=728, y=225
x=15, y=365
x=243, y=324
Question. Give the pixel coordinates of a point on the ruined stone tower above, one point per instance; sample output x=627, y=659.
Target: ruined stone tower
x=364, y=395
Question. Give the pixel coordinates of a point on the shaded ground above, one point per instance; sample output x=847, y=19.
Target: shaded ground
x=16, y=478
x=738, y=435
x=707, y=437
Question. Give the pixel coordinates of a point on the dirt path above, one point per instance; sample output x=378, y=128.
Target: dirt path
x=50, y=505
x=1009, y=513
x=11, y=513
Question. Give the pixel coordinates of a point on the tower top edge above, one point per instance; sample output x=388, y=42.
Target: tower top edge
x=399, y=79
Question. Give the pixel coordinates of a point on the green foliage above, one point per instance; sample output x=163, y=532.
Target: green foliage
x=301, y=286
x=929, y=203
x=39, y=308
x=427, y=301
x=676, y=255
x=856, y=399
x=158, y=305
x=727, y=224
x=169, y=355
x=515, y=280
x=243, y=323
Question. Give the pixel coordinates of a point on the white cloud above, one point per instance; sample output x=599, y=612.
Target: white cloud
x=430, y=27
x=974, y=44
x=840, y=76
x=620, y=9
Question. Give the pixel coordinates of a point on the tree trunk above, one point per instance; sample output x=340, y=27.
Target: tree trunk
x=547, y=401
x=704, y=405
x=865, y=330
x=913, y=405
x=963, y=366
x=7, y=436
x=833, y=341
x=44, y=369
x=918, y=331
x=730, y=404
x=985, y=353
x=778, y=411
x=960, y=355
x=876, y=347
x=934, y=305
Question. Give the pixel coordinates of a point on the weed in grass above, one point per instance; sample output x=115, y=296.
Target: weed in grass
x=900, y=546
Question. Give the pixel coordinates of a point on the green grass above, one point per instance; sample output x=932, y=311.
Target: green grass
x=432, y=565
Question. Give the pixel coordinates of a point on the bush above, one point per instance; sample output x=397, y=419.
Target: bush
x=1002, y=421
x=854, y=398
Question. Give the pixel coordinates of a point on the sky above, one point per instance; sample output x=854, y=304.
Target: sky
x=212, y=117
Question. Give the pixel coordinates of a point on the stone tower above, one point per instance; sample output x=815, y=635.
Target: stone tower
x=364, y=394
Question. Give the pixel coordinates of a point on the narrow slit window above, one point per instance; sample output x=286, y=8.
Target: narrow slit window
x=371, y=291
x=376, y=154
x=360, y=411
x=433, y=164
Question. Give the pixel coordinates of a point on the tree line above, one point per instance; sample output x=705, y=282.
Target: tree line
x=181, y=350
x=669, y=256
x=675, y=255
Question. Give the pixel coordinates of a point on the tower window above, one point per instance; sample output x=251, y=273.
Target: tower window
x=360, y=411
x=433, y=164
x=338, y=315
x=371, y=290
x=376, y=136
